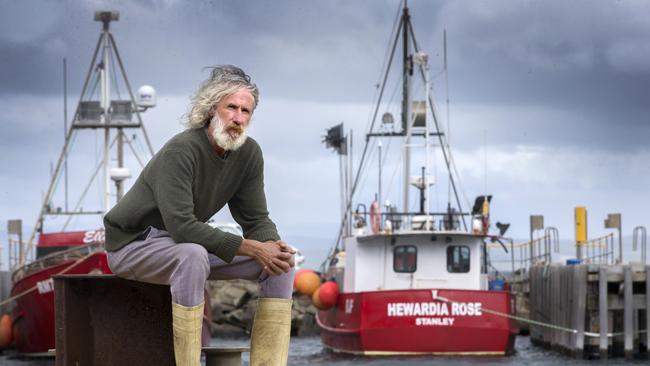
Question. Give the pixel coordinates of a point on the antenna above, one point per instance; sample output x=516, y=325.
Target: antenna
x=444, y=47
x=65, y=125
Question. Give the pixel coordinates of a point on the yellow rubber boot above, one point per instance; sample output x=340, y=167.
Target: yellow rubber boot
x=271, y=332
x=187, y=322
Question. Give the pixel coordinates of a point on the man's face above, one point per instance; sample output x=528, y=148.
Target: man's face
x=230, y=120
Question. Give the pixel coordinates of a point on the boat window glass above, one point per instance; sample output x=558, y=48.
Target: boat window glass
x=405, y=259
x=457, y=259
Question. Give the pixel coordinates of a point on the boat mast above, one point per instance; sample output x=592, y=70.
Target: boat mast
x=407, y=72
x=105, y=105
x=65, y=125
x=103, y=114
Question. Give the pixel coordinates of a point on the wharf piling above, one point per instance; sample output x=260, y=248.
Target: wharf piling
x=591, y=310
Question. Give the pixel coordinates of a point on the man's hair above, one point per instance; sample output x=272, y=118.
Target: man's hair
x=223, y=81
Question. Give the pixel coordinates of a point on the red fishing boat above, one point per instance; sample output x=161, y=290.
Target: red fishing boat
x=412, y=282
x=78, y=252
x=100, y=108
x=414, y=292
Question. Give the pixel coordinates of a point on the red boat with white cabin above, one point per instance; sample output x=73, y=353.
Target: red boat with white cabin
x=101, y=108
x=416, y=292
x=413, y=282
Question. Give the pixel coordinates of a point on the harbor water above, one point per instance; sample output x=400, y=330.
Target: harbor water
x=308, y=351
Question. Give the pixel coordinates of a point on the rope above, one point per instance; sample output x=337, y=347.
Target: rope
x=76, y=263
x=541, y=324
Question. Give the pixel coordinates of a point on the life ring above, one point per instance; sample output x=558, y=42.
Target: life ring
x=375, y=217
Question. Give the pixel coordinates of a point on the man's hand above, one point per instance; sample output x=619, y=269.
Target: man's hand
x=287, y=249
x=275, y=257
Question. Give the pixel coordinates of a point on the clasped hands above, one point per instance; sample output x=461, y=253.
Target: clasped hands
x=275, y=257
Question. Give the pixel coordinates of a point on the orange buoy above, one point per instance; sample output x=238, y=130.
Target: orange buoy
x=6, y=333
x=307, y=282
x=297, y=275
x=315, y=299
x=328, y=293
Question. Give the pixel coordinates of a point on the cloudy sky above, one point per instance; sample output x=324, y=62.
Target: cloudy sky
x=548, y=109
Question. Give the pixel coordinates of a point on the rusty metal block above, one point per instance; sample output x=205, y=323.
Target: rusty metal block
x=106, y=320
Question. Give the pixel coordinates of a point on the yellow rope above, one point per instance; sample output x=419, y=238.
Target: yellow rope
x=541, y=324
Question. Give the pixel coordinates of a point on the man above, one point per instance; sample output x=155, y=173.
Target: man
x=157, y=232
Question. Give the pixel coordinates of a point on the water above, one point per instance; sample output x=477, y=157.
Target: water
x=308, y=351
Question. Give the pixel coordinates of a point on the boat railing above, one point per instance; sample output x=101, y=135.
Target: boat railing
x=432, y=221
x=55, y=258
x=537, y=251
x=597, y=251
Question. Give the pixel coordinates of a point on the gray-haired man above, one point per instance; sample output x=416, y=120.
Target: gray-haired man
x=157, y=232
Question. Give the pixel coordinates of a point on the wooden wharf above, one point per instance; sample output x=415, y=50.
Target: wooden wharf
x=590, y=310
x=595, y=305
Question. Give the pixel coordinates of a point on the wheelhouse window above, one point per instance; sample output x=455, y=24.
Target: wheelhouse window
x=457, y=259
x=405, y=259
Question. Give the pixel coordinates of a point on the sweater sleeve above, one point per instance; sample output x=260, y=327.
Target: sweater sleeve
x=171, y=180
x=248, y=205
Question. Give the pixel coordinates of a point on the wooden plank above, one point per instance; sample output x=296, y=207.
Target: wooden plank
x=548, y=311
x=532, y=304
x=555, y=295
x=616, y=302
x=647, y=310
x=615, y=273
x=628, y=311
x=564, y=338
x=568, y=314
x=602, y=311
x=580, y=293
x=561, y=311
x=564, y=314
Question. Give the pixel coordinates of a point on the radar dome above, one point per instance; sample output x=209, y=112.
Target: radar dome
x=147, y=96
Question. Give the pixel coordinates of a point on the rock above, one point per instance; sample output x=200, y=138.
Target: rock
x=233, y=309
x=306, y=326
x=217, y=312
x=226, y=330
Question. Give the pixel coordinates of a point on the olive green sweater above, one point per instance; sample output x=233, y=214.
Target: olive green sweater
x=184, y=185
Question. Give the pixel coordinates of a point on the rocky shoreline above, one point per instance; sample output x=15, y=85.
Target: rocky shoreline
x=233, y=306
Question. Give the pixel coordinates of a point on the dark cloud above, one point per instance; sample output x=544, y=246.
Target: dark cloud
x=568, y=77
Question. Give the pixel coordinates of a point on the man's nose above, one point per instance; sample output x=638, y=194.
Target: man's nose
x=238, y=117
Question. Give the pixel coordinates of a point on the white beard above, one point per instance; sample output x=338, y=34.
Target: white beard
x=224, y=139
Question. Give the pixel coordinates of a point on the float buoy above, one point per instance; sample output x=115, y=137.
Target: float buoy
x=6, y=331
x=306, y=281
x=315, y=299
x=296, y=275
x=328, y=294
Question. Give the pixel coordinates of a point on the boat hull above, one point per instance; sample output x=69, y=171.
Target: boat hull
x=33, y=313
x=416, y=322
